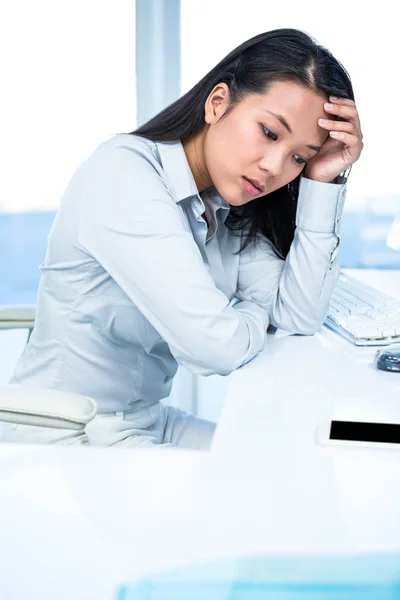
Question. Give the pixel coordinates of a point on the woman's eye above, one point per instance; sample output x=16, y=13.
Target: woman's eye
x=299, y=160
x=269, y=133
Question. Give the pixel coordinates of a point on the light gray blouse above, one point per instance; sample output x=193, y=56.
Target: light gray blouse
x=135, y=283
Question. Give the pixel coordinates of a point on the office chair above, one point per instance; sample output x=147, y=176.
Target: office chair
x=18, y=317
x=27, y=405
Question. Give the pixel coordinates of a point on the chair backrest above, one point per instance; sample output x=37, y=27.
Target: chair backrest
x=17, y=316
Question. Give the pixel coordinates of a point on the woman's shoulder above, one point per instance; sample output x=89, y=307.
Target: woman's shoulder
x=122, y=153
x=139, y=161
x=135, y=144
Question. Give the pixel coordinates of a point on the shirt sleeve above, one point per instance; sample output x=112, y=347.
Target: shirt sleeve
x=296, y=291
x=131, y=225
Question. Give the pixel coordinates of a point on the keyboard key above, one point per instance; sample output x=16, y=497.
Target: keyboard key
x=366, y=314
x=388, y=332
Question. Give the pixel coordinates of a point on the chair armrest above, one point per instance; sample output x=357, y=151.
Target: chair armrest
x=45, y=407
x=17, y=316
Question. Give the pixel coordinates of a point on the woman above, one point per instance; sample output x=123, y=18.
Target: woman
x=181, y=242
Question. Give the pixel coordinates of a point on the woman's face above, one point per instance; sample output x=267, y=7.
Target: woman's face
x=266, y=139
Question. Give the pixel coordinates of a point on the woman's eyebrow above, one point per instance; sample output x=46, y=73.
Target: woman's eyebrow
x=286, y=125
x=280, y=118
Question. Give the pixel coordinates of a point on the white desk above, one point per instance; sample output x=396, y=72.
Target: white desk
x=292, y=385
x=343, y=499
x=75, y=523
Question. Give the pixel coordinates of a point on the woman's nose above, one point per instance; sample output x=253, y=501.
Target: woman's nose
x=273, y=164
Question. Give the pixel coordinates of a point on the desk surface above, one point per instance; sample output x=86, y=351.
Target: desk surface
x=342, y=499
x=301, y=377
x=75, y=523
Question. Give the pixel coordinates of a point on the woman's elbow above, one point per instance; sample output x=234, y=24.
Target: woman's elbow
x=310, y=326
x=310, y=329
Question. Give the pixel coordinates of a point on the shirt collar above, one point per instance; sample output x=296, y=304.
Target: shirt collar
x=180, y=177
x=215, y=200
x=176, y=167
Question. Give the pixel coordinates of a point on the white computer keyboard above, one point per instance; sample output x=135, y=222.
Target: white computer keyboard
x=362, y=314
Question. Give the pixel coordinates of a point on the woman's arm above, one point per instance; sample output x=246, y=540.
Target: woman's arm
x=132, y=226
x=296, y=291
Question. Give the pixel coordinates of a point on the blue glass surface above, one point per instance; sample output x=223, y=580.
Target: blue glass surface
x=288, y=578
x=23, y=243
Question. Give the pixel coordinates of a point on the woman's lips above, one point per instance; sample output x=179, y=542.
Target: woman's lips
x=250, y=187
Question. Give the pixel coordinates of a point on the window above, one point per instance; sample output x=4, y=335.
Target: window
x=68, y=80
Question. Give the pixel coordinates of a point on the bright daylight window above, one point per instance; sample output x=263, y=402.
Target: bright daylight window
x=68, y=80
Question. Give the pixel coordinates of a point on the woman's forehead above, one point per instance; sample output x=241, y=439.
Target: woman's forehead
x=286, y=96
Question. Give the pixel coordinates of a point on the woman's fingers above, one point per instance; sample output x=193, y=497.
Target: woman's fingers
x=337, y=125
x=345, y=109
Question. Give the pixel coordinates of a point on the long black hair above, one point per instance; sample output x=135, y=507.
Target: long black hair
x=278, y=55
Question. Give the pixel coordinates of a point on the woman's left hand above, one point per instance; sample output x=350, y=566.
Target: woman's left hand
x=343, y=146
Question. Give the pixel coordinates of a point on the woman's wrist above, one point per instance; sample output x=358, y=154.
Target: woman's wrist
x=339, y=179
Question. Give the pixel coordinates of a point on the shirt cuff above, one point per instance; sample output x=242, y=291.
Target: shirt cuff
x=320, y=206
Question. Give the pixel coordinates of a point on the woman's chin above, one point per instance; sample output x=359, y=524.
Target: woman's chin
x=233, y=195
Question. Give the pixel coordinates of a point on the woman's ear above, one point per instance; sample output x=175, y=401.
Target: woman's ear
x=216, y=103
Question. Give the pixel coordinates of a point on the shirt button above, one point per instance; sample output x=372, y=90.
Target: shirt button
x=167, y=379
